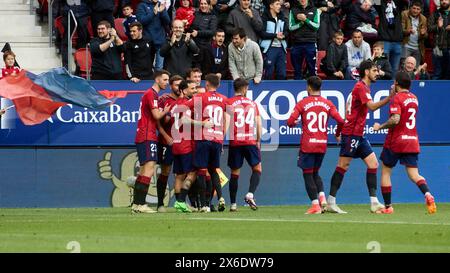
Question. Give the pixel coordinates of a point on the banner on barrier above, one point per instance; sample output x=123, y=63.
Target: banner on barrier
x=116, y=125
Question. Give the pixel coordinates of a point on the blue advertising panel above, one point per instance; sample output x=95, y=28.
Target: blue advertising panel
x=116, y=125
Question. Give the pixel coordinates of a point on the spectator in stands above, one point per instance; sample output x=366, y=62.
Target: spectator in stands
x=359, y=15
x=439, y=24
x=204, y=25
x=304, y=22
x=357, y=51
x=329, y=21
x=10, y=69
x=336, y=61
x=382, y=61
x=130, y=18
x=80, y=10
x=195, y=74
x=106, y=50
x=154, y=18
x=185, y=13
x=214, y=58
x=245, y=57
x=243, y=16
x=180, y=51
x=414, y=26
x=222, y=9
x=390, y=30
x=259, y=6
x=273, y=44
x=139, y=54
x=101, y=10
x=419, y=73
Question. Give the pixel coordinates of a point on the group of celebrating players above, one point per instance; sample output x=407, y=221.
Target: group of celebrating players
x=193, y=121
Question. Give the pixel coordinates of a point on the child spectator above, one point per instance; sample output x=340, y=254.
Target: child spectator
x=130, y=18
x=382, y=61
x=186, y=13
x=335, y=63
x=9, y=58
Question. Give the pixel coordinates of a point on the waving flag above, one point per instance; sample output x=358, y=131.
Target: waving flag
x=36, y=98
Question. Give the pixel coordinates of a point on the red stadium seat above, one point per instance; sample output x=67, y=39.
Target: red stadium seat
x=120, y=28
x=80, y=57
x=289, y=67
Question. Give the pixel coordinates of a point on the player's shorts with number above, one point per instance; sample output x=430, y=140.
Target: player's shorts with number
x=236, y=155
x=355, y=146
x=390, y=159
x=207, y=154
x=182, y=164
x=165, y=155
x=147, y=151
x=310, y=160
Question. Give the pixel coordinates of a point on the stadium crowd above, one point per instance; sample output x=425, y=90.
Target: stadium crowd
x=260, y=39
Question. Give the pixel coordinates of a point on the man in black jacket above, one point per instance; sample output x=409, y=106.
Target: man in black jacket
x=139, y=55
x=214, y=59
x=180, y=51
x=390, y=30
x=106, y=50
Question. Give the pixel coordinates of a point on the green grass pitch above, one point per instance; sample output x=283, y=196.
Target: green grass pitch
x=270, y=229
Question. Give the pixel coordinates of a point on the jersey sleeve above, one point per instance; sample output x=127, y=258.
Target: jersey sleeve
x=394, y=107
x=294, y=116
x=152, y=101
x=336, y=116
x=363, y=96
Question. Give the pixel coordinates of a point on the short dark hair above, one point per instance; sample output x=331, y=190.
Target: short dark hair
x=417, y=3
x=104, y=23
x=127, y=5
x=136, y=24
x=239, y=31
x=239, y=84
x=192, y=69
x=219, y=30
x=159, y=73
x=403, y=80
x=314, y=82
x=273, y=1
x=175, y=78
x=365, y=65
x=213, y=80
x=184, y=84
x=357, y=31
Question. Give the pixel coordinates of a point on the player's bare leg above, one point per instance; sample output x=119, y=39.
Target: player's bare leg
x=336, y=182
x=233, y=188
x=161, y=186
x=254, y=182
x=413, y=174
x=371, y=162
x=141, y=188
x=386, y=189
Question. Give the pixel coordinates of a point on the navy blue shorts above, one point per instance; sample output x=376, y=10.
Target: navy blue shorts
x=165, y=155
x=390, y=159
x=355, y=146
x=147, y=151
x=309, y=160
x=207, y=154
x=182, y=164
x=236, y=155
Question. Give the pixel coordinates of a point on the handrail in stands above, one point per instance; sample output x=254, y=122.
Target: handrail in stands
x=88, y=69
x=50, y=23
x=70, y=59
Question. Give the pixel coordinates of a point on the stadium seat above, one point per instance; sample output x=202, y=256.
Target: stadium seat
x=429, y=60
x=42, y=10
x=320, y=55
x=120, y=28
x=80, y=57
